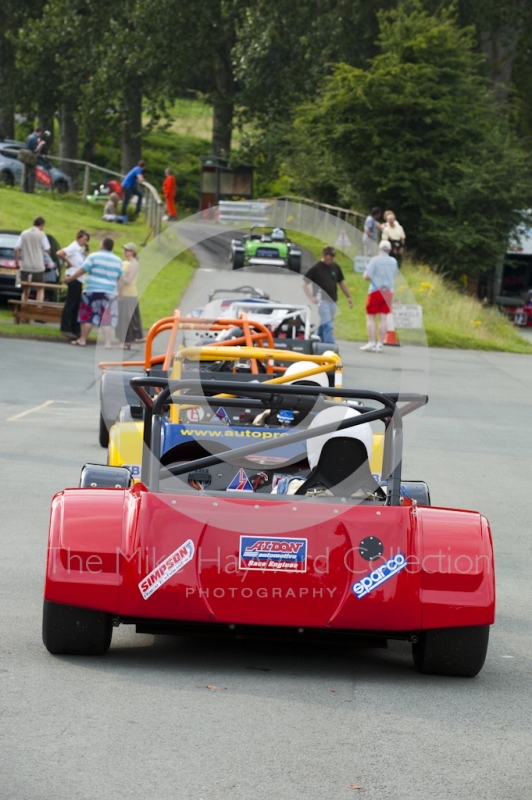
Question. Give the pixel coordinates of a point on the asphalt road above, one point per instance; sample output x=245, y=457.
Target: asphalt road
x=285, y=721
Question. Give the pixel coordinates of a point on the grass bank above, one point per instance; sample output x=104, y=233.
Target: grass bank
x=64, y=216
x=452, y=319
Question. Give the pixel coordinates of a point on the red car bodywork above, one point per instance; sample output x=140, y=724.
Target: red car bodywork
x=103, y=544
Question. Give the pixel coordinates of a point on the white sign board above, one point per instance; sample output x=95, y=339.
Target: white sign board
x=407, y=316
x=360, y=263
x=342, y=240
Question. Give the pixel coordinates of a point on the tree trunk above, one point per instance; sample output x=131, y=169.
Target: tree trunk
x=224, y=93
x=46, y=122
x=131, y=134
x=500, y=49
x=7, y=105
x=68, y=141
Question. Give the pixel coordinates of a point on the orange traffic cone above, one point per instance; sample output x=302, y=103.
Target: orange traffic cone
x=391, y=335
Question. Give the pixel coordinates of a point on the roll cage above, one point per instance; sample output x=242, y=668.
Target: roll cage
x=276, y=397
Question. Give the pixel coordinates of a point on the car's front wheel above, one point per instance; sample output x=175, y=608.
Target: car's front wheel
x=238, y=259
x=457, y=652
x=104, y=433
x=7, y=177
x=72, y=631
x=294, y=263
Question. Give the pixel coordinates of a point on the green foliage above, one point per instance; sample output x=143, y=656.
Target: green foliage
x=418, y=132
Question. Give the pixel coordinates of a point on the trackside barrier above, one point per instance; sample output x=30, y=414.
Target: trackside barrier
x=354, y=218
x=251, y=213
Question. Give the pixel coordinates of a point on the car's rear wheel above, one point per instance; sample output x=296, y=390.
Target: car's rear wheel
x=68, y=630
x=294, y=263
x=238, y=259
x=7, y=177
x=61, y=186
x=104, y=433
x=457, y=652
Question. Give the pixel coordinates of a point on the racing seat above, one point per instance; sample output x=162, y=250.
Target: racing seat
x=343, y=468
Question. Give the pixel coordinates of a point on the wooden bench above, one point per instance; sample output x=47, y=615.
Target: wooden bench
x=38, y=310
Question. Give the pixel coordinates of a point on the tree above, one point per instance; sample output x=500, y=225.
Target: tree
x=14, y=16
x=418, y=131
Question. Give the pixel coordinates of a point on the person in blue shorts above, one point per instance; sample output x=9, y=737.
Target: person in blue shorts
x=99, y=301
x=132, y=187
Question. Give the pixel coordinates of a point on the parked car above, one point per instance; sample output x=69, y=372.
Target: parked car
x=8, y=269
x=47, y=175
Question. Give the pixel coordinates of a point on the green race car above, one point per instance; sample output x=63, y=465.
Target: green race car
x=271, y=247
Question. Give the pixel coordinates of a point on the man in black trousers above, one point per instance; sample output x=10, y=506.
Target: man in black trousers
x=74, y=255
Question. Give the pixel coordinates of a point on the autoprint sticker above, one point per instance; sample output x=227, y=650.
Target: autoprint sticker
x=379, y=576
x=169, y=567
x=273, y=553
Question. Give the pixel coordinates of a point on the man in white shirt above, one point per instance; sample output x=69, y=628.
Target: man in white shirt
x=381, y=271
x=393, y=232
x=74, y=255
x=32, y=245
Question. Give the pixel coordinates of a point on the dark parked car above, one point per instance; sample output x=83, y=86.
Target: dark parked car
x=47, y=175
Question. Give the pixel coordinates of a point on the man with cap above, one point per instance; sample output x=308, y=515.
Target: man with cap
x=381, y=271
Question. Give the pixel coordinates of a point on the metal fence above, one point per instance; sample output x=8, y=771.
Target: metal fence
x=90, y=177
x=354, y=218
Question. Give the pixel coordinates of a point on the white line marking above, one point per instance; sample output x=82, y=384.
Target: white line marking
x=30, y=410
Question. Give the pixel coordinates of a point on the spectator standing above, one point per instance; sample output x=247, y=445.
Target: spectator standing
x=169, y=190
x=129, y=327
x=74, y=255
x=382, y=271
x=34, y=144
x=370, y=238
x=394, y=233
x=98, y=304
x=30, y=248
x=326, y=276
x=131, y=186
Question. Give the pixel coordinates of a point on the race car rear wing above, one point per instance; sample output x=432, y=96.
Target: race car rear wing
x=262, y=396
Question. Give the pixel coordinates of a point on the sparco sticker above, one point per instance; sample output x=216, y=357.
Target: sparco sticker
x=379, y=576
x=272, y=553
x=169, y=567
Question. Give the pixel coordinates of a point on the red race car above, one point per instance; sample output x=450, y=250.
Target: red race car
x=242, y=542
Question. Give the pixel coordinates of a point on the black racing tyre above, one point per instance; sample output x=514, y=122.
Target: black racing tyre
x=72, y=631
x=457, y=652
x=61, y=186
x=7, y=177
x=238, y=259
x=294, y=263
x=104, y=433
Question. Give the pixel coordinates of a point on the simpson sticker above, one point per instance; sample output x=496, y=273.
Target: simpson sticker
x=169, y=567
x=379, y=576
x=240, y=483
x=273, y=553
